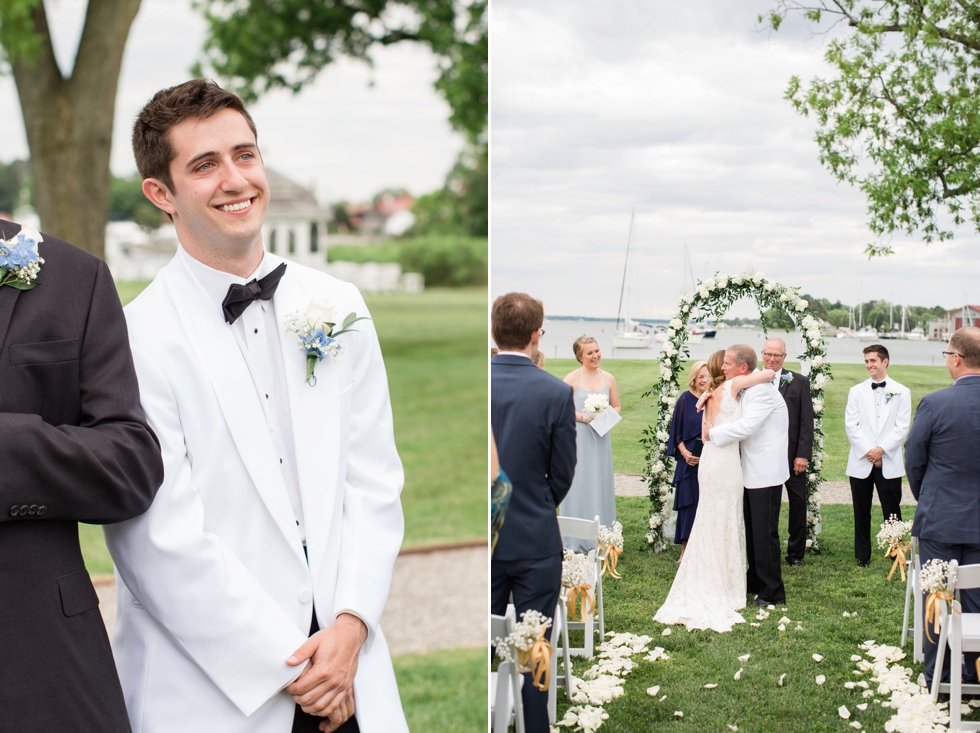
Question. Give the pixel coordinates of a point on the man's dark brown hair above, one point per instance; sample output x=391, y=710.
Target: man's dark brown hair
x=878, y=349
x=514, y=318
x=194, y=99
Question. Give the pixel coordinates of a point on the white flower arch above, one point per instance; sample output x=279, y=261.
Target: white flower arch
x=714, y=297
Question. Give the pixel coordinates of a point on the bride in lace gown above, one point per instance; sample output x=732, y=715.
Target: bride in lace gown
x=709, y=588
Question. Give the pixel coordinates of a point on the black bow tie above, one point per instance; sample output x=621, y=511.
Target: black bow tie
x=877, y=385
x=240, y=297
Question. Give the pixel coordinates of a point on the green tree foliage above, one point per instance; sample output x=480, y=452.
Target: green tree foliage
x=127, y=203
x=901, y=117
x=258, y=46
x=14, y=178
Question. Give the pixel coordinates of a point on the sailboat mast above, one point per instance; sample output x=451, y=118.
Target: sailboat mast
x=626, y=266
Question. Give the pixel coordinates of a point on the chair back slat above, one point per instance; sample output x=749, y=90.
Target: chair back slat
x=967, y=576
x=498, y=627
x=579, y=529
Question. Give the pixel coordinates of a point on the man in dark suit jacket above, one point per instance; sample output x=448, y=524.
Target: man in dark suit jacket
x=533, y=419
x=76, y=448
x=942, y=462
x=795, y=389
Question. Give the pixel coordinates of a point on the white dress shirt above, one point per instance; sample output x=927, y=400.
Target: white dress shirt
x=256, y=333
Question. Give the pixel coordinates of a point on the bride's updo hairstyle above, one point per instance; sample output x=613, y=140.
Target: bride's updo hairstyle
x=714, y=369
x=579, y=346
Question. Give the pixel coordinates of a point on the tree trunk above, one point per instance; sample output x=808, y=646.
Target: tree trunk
x=69, y=123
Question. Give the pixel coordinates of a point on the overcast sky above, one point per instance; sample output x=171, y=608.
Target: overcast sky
x=347, y=137
x=676, y=109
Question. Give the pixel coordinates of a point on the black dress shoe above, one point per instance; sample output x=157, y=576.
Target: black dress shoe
x=864, y=563
x=760, y=602
x=795, y=561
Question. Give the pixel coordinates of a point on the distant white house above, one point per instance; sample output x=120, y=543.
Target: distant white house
x=295, y=228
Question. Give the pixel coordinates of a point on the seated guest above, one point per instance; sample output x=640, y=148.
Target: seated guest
x=500, y=491
x=685, y=446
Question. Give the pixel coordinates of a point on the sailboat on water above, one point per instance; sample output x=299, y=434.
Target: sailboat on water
x=629, y=335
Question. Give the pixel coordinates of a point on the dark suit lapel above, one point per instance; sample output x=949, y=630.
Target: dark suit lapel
x=8, y=299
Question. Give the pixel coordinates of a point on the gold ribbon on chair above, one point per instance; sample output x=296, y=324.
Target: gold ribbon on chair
x=897, y=550
x=537, y=661
x=588, y=602
x=932, y=609
x=609, y=560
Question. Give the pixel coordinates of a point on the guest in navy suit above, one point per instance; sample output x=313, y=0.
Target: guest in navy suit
x=533, y=420
x=942, y=461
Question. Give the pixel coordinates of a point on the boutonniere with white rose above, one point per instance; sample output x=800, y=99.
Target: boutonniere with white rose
x=19, y=259
x=317, y=331
x=888, y=395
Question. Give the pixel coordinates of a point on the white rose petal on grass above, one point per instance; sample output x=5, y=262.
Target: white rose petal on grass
x=738, y=675
x=785, y=620
x=770, y=607
x=965, y=710
x=821, y=679
x=744, y=657
x=781, y=627
x=844, y=712
x=846, y=614
x=817, y=658
x=662, y=698
x=857, y=658
x=780, y=680
x=710, y=686
x=972, y=703
x=850, y=685
x=753, y=623
x=855, y=725
x=862, y=706
x=678, y=714
x=798, y=628
x=666, y=632
x=652, y=691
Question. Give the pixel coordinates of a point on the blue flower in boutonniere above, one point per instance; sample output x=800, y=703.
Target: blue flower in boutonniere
x=785, y=379
x=888, y=395
x=19, y=259
x=318, y=332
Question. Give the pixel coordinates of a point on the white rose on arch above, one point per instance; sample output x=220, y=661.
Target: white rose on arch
x=675, y=323
x=703, y=292
x=758, y=278
x=710, y=283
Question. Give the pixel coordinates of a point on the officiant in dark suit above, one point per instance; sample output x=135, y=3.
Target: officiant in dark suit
x=533, y=420
x=76, y=448
x=942, y=462
x=795, y=389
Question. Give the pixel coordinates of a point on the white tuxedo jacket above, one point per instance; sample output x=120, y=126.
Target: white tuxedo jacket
x=763, y=430
x=214, y=591
x=865, y=432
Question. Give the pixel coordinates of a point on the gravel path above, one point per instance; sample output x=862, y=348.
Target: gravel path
x=832, y=492
x=418, y=597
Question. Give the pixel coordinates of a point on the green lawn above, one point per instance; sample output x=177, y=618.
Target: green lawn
x=434, y=345
x=817, y=596
x=444, y=691
x=635, y=377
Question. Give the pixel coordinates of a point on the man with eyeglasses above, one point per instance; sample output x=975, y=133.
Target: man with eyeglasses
x=876, y=419
x=942, y=458
x=532, y=415
x=795, y=390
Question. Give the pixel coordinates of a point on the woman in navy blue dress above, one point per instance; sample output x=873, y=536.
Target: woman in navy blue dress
x=684, y=445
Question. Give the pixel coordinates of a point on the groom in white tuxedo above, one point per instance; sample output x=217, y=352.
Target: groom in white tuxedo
x=877, y=418
x=249, y=594
x=762, y=429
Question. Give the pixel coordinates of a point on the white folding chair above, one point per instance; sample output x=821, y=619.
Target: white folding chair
x=584, y=529
x=505, y=684
x=962, y=630
x=559, y=635
x=913, y=601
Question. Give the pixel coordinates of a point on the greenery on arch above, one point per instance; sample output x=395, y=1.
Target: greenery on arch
x=713, y=297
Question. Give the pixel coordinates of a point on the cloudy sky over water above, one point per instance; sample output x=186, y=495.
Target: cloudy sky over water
x=347, y=137
x=676, y=109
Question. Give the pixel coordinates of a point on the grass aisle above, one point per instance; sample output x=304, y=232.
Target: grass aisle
x=635, y=377
x=818, y=594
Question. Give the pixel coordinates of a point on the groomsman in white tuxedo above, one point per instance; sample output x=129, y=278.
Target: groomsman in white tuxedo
x=763, y=430
x=876, y=419
x=249, y=594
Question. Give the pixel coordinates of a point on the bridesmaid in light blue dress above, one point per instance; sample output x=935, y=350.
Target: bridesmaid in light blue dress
x=593, y=489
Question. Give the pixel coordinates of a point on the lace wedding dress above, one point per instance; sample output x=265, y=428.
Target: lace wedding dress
x=709, y=587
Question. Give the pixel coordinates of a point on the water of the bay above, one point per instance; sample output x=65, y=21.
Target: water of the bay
x=560, y=334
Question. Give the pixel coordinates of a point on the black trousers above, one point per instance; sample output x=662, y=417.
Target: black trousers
x=796, y=490
x=306, y=723
x=862, y=494
x=765, y=576
x=964, y=555
x=535, y=585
